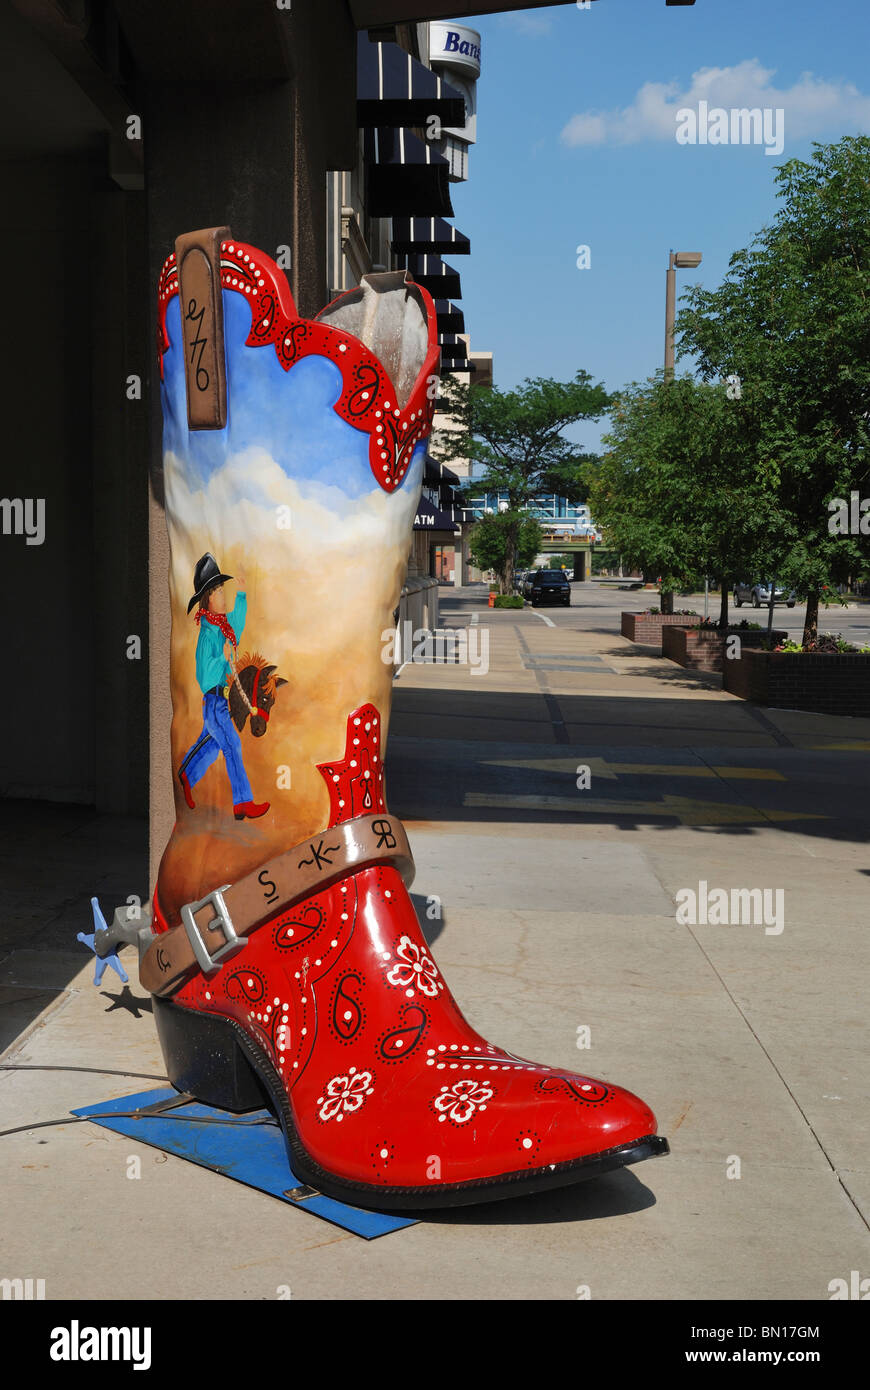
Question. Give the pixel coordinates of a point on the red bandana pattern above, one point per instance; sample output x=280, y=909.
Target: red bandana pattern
x=368, y=399
x=219, y=620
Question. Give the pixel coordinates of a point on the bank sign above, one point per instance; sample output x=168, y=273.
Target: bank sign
x=455, y=46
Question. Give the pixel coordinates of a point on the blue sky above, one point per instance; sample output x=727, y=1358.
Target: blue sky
x=548, y=175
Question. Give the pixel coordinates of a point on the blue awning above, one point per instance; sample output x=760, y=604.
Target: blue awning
x=392, y=88
x=452, y=347
x=435, y=275
x=405, y=175
x=431, y=518
x=415, y=235
x=453, y=355
x=449, y=318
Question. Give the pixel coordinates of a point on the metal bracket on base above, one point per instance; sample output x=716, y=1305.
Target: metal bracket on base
x=131, y=926
x=301, y=1194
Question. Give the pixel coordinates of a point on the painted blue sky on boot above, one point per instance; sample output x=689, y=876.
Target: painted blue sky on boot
x=287, y=414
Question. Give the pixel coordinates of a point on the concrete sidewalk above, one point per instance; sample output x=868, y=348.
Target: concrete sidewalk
x=557, y=916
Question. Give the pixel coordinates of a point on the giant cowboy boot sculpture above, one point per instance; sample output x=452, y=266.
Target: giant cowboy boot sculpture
x=288, y=960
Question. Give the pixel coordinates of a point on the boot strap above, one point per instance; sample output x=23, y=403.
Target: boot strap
x=218, y=925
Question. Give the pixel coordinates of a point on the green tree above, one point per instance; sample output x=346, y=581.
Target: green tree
x=792, y=321
x=678, y=493
x=493, y=537
x=516, y=444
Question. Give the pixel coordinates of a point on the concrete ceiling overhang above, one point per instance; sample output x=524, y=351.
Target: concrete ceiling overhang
x=54, y=96
x=370, y=13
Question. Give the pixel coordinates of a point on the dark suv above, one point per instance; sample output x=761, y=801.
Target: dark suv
x=548, y=586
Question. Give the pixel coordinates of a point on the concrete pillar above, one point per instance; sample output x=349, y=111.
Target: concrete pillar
x=120, y=351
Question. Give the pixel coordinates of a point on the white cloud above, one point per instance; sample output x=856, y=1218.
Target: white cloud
x=812, y=105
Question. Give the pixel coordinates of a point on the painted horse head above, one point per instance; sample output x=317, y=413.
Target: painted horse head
x=260, y=684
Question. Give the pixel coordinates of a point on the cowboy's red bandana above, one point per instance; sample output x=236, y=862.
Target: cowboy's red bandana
x=219, y=620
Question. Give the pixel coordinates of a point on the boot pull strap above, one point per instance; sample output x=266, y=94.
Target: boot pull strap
x=218, y=925
x=198, y=258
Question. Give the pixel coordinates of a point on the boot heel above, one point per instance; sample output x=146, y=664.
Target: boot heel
x=204, y=1059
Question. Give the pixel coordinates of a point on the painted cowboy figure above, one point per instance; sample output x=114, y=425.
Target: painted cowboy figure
x=219, y=633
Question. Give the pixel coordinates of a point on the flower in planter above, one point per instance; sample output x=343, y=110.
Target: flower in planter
x=657, y=613
x=827, y=643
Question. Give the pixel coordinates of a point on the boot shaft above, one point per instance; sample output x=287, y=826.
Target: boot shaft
x=301, y=473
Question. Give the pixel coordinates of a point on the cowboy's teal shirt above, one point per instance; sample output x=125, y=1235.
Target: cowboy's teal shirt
x=212, y=667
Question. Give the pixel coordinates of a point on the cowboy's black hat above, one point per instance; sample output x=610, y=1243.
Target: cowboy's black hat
x=207, y=572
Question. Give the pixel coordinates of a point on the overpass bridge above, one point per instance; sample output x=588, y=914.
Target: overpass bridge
x=581, y=552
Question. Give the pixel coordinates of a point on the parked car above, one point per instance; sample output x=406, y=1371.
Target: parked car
x=519, y=580
x=758, y=594
x=547, y=586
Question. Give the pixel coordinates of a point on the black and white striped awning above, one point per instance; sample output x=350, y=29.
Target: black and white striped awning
x=435, y=275
x=453, y=355
x=405, y=176
x=449, y=317
x=453, y=348
x=392, y=88
x=421, y=234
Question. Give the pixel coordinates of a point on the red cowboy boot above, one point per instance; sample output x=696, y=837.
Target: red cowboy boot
x=288, y=960
x=252, y=809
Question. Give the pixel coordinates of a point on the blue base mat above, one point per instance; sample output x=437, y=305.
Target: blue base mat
x=249, y=1149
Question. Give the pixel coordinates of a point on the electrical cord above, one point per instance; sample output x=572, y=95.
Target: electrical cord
x=100, y=1071
x=135, y=1115
x=116, y=1114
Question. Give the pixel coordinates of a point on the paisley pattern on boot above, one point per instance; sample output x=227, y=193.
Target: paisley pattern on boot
x=344, y=996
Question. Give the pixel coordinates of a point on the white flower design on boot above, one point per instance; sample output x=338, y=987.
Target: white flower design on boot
x=459, y=1102
x=345, y=1094
x=414, y=970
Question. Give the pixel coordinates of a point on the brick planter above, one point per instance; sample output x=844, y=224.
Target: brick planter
x=647, y=627
x=703, y=649
x=835, y=683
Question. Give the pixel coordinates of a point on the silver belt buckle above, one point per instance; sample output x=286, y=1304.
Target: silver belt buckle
x=232, y=944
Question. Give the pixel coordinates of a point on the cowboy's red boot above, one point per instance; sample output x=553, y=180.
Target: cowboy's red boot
x=252, y=809
x=289, y=960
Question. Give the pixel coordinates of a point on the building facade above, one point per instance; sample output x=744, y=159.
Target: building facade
x=123, y=124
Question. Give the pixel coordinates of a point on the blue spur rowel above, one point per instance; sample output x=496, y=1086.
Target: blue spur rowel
x=89, y=941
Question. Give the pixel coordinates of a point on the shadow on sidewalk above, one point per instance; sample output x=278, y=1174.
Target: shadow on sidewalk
x=614, y=1194
x=497, y=757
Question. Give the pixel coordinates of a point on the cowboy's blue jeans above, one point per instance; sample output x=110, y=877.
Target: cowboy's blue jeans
x=219, y=735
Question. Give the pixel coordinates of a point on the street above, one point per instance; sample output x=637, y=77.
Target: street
x=604, y=603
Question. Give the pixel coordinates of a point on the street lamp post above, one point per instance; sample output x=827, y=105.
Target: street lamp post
x=679, y=260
